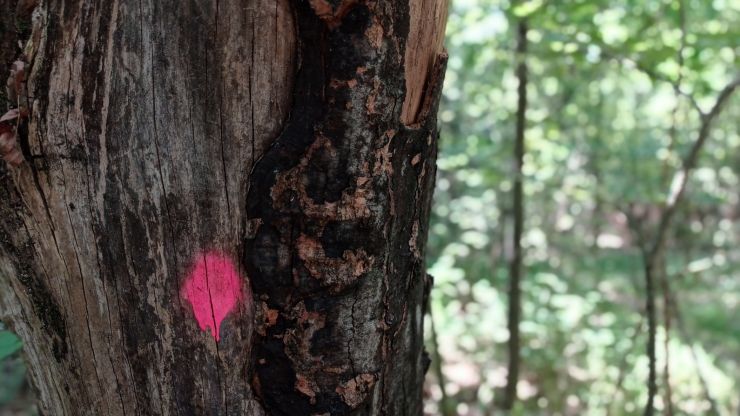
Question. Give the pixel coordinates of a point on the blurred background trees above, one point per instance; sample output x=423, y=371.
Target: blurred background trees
x=615, y=96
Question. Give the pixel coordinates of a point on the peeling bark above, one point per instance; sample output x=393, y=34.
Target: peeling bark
x=271, y=134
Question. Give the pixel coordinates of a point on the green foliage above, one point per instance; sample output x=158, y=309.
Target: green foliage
x=606, y=132
x=9, y=344
x=12, y=369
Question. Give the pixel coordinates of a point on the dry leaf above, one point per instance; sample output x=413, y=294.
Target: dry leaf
x=10, y=115
x=9, y=148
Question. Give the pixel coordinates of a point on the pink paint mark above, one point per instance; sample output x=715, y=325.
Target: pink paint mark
x=213, y=287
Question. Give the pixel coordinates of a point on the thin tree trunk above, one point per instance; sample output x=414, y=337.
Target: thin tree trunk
x=667, y=308
x=515, y=263
x=222, y=205
x=655, y=249
x=652, y=384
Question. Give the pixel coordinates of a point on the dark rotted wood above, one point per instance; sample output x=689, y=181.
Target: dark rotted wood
x=296, y=137
x=336, y=252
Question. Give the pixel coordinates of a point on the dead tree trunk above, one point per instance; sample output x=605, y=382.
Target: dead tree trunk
x=222, y=205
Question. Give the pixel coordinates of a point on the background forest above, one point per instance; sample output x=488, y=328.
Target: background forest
x=631, y=158
x=616, y=92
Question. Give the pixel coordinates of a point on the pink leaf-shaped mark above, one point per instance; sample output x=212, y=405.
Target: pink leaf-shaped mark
x=213, y=287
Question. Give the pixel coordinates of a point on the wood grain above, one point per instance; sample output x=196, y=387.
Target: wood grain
x=424, y=45
x=147, y=118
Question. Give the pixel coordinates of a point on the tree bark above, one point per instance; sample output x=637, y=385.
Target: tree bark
x=517, y=255
x=223, y=205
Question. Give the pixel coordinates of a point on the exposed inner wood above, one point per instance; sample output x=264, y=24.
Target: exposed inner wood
x=424, y=44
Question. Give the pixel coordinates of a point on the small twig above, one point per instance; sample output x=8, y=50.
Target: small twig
x=656, y=76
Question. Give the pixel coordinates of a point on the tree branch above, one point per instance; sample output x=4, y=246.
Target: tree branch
x=681, y=177
x=675, y=196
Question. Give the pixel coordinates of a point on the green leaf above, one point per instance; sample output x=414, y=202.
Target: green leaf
x=9, y=344
x=527, y=8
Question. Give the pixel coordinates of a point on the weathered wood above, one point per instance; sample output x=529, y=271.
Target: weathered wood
x=424, y=44
x=267, y=132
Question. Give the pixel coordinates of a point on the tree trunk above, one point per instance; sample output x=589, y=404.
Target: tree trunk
x=222, y=205
x=517, y=256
